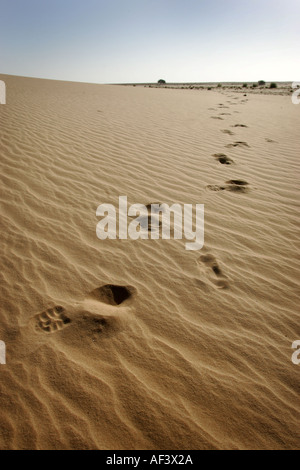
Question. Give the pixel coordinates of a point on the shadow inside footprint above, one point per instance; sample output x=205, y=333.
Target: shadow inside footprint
x=111, y=294
x=238, y=144
x=150, y=208
x=210, y=261
x=237, y=182
x=237, y=186
x=218, y=278
x=223, y=159
x=231, y=185
x=227, y=131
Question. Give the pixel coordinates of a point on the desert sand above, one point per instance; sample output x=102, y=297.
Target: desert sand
x=123, y=344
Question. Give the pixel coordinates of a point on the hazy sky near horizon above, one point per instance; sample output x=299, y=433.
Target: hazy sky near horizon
x=123, y=41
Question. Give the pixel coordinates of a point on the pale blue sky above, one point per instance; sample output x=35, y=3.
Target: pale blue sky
x=119, y=41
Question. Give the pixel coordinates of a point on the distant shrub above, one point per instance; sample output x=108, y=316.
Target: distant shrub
x=209, y=88
x=161, y=81
x=254, y=85
x=273, y=85
x=261, y=83
x=245, y=85
x=219, y=85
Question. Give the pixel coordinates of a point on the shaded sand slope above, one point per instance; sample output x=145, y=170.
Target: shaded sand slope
x=141, y=344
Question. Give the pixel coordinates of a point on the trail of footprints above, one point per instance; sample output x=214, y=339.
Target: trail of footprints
x=234, y=185
x=208, y=262
x=59, y=318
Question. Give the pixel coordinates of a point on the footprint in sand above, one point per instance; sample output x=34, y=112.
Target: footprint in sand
x=111, y=294
x=215, y=187
x=239, y=125
x=223, y=159
x=238, y=144
x=213, y=271
x=151, y=220
x=237, y=186
x=227, y=131
x=97, y=314
x=78, y=327
x=151, y=207
x=52, y=319
x=148, y=223
x=217, y=117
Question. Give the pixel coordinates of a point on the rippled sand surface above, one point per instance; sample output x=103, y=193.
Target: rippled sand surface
x=122, y=344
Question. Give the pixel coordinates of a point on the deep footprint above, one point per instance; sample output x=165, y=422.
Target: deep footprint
x=223, y=159
x=238, y=186
x=218, y=278
x=152, y=209
x=111, y=294
x=227, y=131
x=238, y=144
x=152, y=221
x=86, y=317
x=237, y=182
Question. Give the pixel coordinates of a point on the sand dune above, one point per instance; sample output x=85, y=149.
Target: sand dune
x=123, y=344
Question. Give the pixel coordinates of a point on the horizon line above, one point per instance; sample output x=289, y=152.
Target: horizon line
x=148, y=83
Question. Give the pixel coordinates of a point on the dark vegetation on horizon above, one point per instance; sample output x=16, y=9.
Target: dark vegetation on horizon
x=260, y=85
